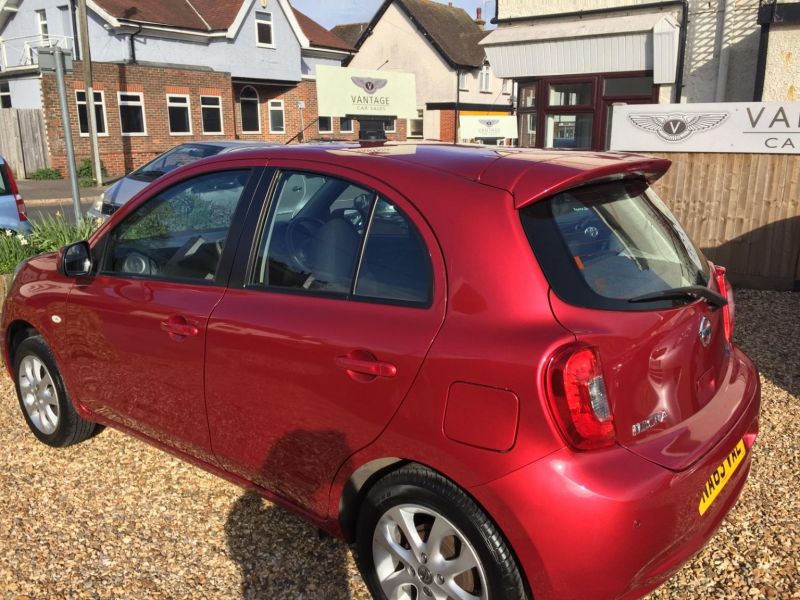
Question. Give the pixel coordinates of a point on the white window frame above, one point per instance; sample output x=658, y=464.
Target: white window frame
x=283, y=113
x=258, y=107
x=343, y=130
x=261, y=20
x=463, y=82
x=8, y=94
x=44, y=28
x=394, y=126
x=409, y=128
x=140, y=103
x=504, y=88
x=319, y=126
x=219, y=110
x=78, y=111
x=485, y=78
x=187, y=106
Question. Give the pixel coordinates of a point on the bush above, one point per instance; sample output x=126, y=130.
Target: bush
x=46, y=175
x=48, y=235
x=86, y=171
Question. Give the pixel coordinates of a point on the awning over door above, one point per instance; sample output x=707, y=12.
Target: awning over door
x=611, y=44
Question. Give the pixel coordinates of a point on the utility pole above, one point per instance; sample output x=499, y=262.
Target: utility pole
x=86, y=60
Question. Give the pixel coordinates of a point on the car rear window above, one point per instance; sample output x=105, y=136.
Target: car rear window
x=603, y=244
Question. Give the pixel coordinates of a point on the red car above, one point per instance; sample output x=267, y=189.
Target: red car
x=504, y=374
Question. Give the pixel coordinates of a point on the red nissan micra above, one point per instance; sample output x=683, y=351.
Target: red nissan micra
x=505, y=374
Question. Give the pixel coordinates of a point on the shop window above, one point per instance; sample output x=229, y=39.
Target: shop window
x=99, y=112
x=571, y=94
x=131, y=114
x=211, y=109
x=569, y=131
x=264, y=30
x=180, y=116
x=276, y=120
x=250, y=105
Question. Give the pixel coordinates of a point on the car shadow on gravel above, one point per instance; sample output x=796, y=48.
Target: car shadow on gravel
x=279, y=554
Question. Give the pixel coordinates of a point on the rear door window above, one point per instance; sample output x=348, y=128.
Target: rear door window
x=601, y=245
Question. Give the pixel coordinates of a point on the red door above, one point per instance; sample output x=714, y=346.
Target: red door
x=302, y=372
x=137, y=329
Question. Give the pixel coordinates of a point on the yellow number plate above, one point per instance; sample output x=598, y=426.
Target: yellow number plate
x=721, y=476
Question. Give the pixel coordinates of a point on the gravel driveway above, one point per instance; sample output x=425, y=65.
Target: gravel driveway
x=114, y=518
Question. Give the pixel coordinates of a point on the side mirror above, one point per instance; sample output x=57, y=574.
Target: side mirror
x=75, y=260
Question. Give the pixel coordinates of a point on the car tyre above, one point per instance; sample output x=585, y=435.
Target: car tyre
x=43, y=398
x=420, y=536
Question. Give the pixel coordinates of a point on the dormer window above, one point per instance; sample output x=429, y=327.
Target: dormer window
x=264, y=38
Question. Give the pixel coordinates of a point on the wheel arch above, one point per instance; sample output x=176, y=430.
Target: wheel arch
x=16, y=333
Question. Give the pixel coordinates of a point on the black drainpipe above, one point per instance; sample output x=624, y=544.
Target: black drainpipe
x=131, y=39
x=676, y=95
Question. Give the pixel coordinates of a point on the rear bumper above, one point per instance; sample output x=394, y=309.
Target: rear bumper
x=608, y=523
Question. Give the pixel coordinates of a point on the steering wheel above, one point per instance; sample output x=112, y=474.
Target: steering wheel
x=299, y=234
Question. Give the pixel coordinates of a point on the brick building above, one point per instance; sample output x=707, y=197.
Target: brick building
x=168, y=72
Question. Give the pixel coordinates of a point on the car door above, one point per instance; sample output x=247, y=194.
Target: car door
x=137, y=327
x=322, y=331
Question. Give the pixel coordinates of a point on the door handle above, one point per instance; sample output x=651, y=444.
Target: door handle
x=367, y=366
x=179, y=328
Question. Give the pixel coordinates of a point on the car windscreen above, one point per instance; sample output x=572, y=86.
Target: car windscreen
x=604, y=244
x=172, y=159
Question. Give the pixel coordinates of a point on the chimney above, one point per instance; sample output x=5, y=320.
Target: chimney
x=479, y=18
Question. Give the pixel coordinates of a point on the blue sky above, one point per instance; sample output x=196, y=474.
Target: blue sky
x=335, y=12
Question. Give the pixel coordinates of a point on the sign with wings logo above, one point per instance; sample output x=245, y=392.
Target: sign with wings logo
x=489, y=122
x=675, y=127
x=487, y=127
x=369, y=84
x=739, y=127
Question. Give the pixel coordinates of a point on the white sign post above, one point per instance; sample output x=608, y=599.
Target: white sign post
x=747, y=127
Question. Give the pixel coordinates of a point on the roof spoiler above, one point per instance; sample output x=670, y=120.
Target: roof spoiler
x=552, y=183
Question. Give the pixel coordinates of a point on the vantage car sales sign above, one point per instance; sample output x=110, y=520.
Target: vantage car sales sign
x=750, y=127
x=357, y=92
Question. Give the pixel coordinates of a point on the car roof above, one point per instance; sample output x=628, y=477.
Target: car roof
x=527, y=173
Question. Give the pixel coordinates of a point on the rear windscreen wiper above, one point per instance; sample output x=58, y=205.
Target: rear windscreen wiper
x=692, y=292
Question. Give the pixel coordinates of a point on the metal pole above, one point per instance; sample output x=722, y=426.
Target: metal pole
x=86, y=60
x=62, y=97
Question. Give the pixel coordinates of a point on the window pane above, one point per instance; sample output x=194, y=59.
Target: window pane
x=527, y=130
x=265, y=34
x=396, y=264
x=212, y=120
x=83, y=120
x=346, y=125
x=126, y=97
x=628, y=86
x=570, y=94
x=527, y=96
x=250, y=120
x=569, y=131
x=132, y=119
x=5, y=101
x=179, y=120
x=99, y=117
x=209, y=101
x=316, y=227
x=325, y=125
x=276, y=119
x=181, y=232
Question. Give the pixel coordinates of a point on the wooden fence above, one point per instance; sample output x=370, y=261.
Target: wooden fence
x=22, y=140
x=743, y=210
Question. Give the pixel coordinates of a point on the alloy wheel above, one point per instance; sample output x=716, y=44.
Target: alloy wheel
x=39, y=395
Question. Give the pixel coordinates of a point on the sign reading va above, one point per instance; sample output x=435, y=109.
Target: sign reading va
x=752, y=127
x=357, y=92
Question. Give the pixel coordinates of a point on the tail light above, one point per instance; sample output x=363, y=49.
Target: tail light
x=577, y=394
x=729, y=310
x=21, y=210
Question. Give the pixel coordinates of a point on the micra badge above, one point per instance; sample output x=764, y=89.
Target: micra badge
x=650, y=422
